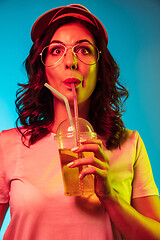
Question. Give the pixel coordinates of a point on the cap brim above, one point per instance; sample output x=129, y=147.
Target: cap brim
x=77, y=11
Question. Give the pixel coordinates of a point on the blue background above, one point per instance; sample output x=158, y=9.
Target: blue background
x=134, y=41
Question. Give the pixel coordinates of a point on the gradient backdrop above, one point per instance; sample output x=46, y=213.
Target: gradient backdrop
x=134, y=41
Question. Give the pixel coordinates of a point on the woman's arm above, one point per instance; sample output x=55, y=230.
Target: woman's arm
x=139, y=221
x=144, y=205
x=142, y=221
x=3, y=210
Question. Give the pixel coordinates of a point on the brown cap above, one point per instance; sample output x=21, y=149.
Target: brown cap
x=73, y=10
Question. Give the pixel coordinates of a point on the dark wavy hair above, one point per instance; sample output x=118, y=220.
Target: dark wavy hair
x=34, y=102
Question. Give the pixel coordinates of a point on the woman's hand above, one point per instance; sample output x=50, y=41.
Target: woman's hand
x=98, y=165
x=145, y=214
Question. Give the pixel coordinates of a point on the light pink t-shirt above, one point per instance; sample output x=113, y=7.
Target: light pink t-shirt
x=31, y=181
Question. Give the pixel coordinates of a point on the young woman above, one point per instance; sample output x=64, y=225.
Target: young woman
x=70, y=46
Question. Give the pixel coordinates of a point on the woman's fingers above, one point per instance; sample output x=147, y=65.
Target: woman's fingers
x=88, y=161
x=90, y=146
x=92, y=141
x=93, y=170
x=97, y=164
x=103, y=184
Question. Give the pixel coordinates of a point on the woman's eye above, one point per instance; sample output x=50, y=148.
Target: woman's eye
x=83, y=50
x=56, y=51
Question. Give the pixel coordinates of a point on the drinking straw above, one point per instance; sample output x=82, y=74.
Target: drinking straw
x=66, y=103
x=77, y=132
x=75, y=129
x=76, y=113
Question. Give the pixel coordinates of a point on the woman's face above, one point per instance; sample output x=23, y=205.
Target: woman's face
x=69, y=68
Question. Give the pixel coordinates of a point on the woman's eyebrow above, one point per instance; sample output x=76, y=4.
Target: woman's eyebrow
x=79, y=41
x=83, y=40
x=56, y=41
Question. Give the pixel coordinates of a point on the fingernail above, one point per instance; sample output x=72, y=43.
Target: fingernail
x=70, y=164
x=74, y=149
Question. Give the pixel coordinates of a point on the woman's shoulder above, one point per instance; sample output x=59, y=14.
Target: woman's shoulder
x=131, y=133
x=10, y=135
x=129, y=137
x=10, y=132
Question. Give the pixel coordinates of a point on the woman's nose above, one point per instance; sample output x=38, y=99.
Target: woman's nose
x=70, y=60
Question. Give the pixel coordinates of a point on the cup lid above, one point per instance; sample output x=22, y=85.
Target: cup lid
x=65, y=130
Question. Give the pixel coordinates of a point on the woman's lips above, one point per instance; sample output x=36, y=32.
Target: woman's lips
x=68, y=82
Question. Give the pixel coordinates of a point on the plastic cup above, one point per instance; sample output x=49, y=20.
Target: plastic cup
x=66, y=139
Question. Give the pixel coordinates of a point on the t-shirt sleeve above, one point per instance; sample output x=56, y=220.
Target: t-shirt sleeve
x=4, y=187
x=143, y=181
